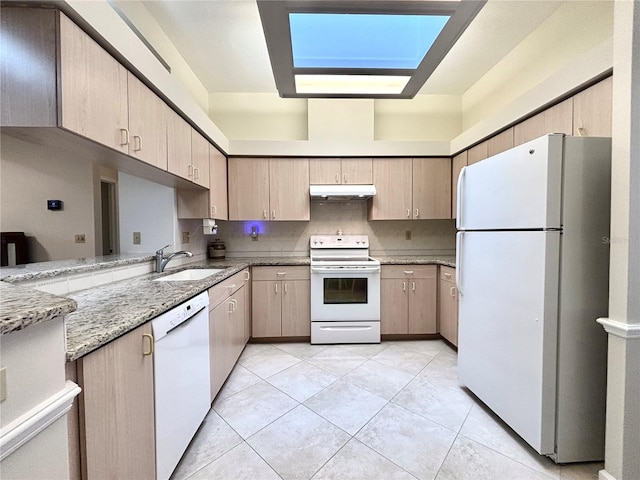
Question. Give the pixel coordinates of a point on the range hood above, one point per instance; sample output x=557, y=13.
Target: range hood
x=341, y=192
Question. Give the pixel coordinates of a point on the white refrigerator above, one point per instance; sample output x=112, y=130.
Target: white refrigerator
x=532, y=274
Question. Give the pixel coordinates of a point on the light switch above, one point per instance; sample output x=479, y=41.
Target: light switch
x=137, y=238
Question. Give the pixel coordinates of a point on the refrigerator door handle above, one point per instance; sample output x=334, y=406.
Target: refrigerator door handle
x=459, y=193
x=459, y=262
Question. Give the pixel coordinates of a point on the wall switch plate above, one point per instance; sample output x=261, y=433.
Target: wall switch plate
x=3, y=384
x=185, y=237
x=137, y=238
x=79, y=238
x=407, y=235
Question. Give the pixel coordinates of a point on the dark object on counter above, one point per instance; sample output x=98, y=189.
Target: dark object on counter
x=216, y=249
x=14, y=249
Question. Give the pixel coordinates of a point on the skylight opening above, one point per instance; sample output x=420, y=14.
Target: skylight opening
x=370, y=41
x=351, y=84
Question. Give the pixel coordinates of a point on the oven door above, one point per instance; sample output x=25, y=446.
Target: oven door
x=340, y=294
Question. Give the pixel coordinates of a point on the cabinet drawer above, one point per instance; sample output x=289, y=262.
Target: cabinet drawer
x=447, y=274
x=409, y=271
x=281, y=273
x=226, y=288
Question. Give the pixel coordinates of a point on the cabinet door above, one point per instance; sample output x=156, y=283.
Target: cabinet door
x=93, y=89
x=556, y=119
x=500, y=142
x=248, y=188
x=266, y=308
x=178, y=145
x=592, y=110
x=422, y=304
x=392, y=178
x=477, y=153
x=324, y=171
x=220, y=333
x=217, y=184
x=147, y=124
x=448, y=303
x=118, y=408
x=357, y=171
x=431, y=188
x=459, y=161
x=289, y=188
x=296, y=308
x=237, y=318
x=199, y=159
x=394, y=306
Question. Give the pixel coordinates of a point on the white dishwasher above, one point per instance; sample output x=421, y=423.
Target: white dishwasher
x=181, y=378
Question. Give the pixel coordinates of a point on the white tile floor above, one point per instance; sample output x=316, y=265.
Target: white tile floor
x=390, y=411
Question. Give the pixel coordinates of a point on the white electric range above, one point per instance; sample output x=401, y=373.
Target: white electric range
x=345, y=290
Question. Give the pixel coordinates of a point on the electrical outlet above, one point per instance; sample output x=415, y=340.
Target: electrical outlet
x=185, y=237
x=137, y=238
x=79, y=238
x=407, y=235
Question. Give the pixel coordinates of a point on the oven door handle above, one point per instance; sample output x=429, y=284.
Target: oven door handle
x=344, y=270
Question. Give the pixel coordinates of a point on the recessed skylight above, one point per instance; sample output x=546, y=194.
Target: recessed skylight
x=347, y=40
x=357, y=48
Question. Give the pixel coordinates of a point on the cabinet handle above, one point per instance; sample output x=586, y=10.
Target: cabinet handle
x=190, y=171
x=276, y=288
x=337, y=178
x=413, y=286
x=408, y=272
x=404, y=286
x=231, y=287
x=196, y=173
x=150, y=338
x=452, y=291
x=264, y=214
x=213, y=211
x=581, y=132
x=274, y=214
x=281, y=273
x=124, y=136
x=344, y=178
x=230, y=306
x=248, y=276
x=286, y=289
x=408, y=213
x=417, y=212
x=448, y=275
x=137, y=145
x=234, y=302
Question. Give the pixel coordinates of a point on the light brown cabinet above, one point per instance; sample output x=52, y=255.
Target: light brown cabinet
x=188, y=151
x=411, y=188
x=408, y=295
x=592, y=110
x=555, y=119
x=269, y=189
x=477, y=153
x=499, y=143
x=147, y=124
x=281, y=302
x=354, y=171
x=227, y=317
x=212, y=203
x=117, y=408
x=448, y=304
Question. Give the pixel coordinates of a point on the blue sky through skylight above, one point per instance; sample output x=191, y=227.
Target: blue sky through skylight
x=346, y=40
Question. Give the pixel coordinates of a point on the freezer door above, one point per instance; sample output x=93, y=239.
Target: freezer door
x=516, y=189
x=508, y=318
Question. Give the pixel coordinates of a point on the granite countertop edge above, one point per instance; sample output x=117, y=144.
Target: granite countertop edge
x=98, y=315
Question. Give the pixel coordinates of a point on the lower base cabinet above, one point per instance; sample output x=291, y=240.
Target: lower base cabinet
x=117, y=412
x=448, y=301
x=408, y=296
x=227, y=326
x=281, y=302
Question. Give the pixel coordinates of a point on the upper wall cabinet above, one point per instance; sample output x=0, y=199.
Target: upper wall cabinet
x=556, y=119
x=354, y=171
x=592, y=110
x=269, y=189
x=411, y=188
x=459, y=161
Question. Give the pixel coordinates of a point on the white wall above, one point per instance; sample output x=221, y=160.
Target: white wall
x=32, y=174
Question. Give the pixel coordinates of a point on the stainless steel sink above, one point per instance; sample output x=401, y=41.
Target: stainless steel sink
x=189, y=275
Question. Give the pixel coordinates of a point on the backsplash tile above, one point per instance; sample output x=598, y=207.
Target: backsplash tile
x=386, y=237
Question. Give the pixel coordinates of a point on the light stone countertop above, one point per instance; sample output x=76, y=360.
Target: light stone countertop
x=21, y=307
x=105, y=313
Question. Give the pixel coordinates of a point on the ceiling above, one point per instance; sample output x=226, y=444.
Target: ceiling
x=223, y=43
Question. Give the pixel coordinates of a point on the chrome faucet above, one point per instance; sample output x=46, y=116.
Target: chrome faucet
x=161, y=260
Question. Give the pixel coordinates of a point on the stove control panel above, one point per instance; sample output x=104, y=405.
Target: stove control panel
x=339, y=241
